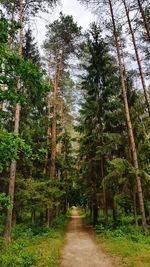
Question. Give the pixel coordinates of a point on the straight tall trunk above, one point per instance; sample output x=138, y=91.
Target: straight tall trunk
x=61, y=132
x=134, y=206
x=95, y=214
x=49, y=217
x=48, y=124
x=114, y=210
x=129, y=124
x=105, y=206
x=147, y=100
x=56, y=84
x=11, y=187
x=146, y=24
x=2, y=88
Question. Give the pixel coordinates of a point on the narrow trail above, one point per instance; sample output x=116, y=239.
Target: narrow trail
x=81, y=249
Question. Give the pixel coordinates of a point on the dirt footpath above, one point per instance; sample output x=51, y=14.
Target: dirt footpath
x=81, y=249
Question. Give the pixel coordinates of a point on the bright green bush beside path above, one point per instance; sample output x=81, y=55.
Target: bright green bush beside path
x=36, y=247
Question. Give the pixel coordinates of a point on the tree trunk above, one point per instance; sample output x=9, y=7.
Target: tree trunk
x=56, y=83
x=49, y=217
x=61, y=132
x=114, y=211
x=134, y=206
x=95, y=214
x=33, y=216
x=48, y=124
x=129, y=125
x=11, y=189
x=105, y=207
x=2, y=88
x=146, y=24
x=147, y=100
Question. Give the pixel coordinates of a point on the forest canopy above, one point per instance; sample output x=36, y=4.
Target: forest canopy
x=75, y=121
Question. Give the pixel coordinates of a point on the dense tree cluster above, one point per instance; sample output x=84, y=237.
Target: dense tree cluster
x=137, y=131
x=50, y=157
x=31, y=128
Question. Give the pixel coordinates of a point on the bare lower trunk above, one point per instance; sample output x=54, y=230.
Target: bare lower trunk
x=135, y=208
x=48, y=131
x=11, y=189
x=49, y=217
x=105, y=207
x=53, y=153
x=8, y=222
x=147, y=100
x=129, y=125
x=61, y=132
x=2, y=88
x=33, y=216
x=48, y=122
x=114, y=210
x=95, y=214
x=146, y=24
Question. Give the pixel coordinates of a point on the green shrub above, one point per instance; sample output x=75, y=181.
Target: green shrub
x=60, y=222
x=29, y=258
x=10, y=261
x=99, y=229
x=23, y=259
x=22, y=230
x=130, y=232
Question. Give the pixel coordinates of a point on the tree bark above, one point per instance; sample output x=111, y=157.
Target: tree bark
x=56, y=83
x=129, y=125
x=147, y=100
x=11, y=189
x=146, y=24
x=114, y=210
x=134, y=206
x=48, y=124
x=33, y=216
x=2, y=88
x=105, y=207
x=49, y=217
x=95, y=214
x=61, y=132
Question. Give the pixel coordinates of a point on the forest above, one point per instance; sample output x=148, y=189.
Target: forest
x=74, y=130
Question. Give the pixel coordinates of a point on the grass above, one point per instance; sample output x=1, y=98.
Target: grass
x=33, y=247
x=127, y=242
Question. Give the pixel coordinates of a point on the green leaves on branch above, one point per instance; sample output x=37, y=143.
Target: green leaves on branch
x=10, y=148
x=5, y=201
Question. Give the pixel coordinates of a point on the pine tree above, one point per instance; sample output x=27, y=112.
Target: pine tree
x=100, y=89
x=30, y=50
x=61, y=41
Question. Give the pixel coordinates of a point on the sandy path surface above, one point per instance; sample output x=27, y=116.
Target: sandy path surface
x=80, y=249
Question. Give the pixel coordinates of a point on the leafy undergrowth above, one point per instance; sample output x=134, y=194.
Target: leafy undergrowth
x=126, y=241
x=36, y=247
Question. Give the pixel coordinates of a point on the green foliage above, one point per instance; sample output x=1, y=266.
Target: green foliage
x=32, y=248
x=126, y=241
x=5, y=201
x=62, y=35
x=16, y=146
